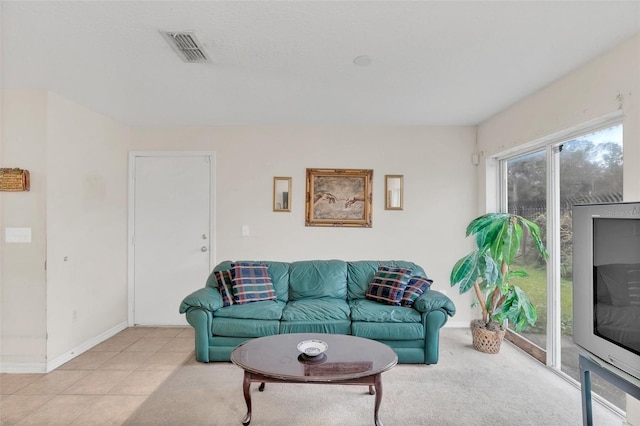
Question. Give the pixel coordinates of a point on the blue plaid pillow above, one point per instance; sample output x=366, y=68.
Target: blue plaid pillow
x=388, y=285
x=417, y=286
x=224, y=279
x=251, y=283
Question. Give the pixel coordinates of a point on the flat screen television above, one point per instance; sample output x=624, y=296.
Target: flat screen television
x=606, y=283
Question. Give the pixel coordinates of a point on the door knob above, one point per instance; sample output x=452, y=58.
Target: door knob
x=204, y=236
x=204, y=248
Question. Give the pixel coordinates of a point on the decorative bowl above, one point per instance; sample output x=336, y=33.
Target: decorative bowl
x=312, y=347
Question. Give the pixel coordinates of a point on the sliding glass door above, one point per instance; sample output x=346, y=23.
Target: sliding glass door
x=543, y=185
x=590, y=172
x=527, y=197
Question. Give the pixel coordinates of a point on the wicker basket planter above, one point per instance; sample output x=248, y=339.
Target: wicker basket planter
x=487, y=340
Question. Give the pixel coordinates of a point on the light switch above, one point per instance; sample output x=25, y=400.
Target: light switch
x=245, y=230
x=17, y=235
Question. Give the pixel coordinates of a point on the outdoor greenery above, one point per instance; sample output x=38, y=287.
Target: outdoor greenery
x=586, y=169
x=566, y=242
x=589, y=173
x=535, y=285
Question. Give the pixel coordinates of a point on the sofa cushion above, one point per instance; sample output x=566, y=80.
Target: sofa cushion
x=370, y=311
x=224, y=279
x=234, y=327
x=390, y=331
x=325, y=309
x=318, y=278
x=388, y=285
x=279, y=272
x=328, y=327
x=417, y=285
x=251, y=283
x=263, y=310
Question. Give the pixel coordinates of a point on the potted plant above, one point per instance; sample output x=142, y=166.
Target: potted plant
x=486, y=270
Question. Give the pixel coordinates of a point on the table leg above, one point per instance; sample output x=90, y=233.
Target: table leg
x=585, y=379
x=246, y=388
x=377, y=382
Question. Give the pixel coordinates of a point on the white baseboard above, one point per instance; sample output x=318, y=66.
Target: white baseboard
x=45, y=367
x=457, y=324
x=23, y=367
x=68, y=356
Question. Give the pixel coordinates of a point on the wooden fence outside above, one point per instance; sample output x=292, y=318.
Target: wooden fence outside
x=532, y=209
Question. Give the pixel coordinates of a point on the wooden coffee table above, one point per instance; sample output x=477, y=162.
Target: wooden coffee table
x=349, y=360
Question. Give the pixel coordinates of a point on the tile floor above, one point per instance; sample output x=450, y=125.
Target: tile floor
x=102, y=386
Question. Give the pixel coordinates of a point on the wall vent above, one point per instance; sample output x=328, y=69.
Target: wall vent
x=186, y=45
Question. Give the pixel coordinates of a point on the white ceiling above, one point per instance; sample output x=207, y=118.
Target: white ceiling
x=291, y=62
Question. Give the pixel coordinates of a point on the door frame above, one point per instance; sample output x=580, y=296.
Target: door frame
x=131, y=216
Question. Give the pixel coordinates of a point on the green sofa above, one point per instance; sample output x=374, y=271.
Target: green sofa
x=318, y=296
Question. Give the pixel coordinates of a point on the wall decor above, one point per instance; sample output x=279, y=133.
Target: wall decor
x=14, y=179
x=393, y=192
x=281, y=194
x=339, y=197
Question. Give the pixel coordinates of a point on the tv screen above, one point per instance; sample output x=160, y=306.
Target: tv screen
x=616, y=281
x=606, y=283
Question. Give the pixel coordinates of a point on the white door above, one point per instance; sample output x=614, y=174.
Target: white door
x=171, y=234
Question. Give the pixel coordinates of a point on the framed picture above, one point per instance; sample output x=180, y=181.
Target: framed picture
x=339, y=197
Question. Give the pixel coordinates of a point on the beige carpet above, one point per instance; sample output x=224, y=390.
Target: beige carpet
x=465, y=388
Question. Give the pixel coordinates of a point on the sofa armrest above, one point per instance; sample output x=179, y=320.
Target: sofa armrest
x=206, y=298
x=431, y=300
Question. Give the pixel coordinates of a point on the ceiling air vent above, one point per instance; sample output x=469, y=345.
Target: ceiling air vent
x=186, y=45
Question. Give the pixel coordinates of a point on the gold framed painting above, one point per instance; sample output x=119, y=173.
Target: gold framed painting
x=339, y=197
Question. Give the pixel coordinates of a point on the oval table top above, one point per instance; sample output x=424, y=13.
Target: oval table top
x=347, y=357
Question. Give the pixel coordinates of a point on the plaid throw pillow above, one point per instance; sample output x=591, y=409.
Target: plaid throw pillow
x=417, y=286
x=251, y=283
x=388, y=285
x=224, y=279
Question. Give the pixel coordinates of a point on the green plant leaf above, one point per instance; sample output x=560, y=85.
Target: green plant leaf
x=489, y=269
x=511, y=241
x=517, y=309
x=481, y=222
x=494, y=237
x=465, y=272
x=526, y=306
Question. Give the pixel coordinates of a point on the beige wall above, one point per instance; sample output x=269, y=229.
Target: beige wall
x=86, y=225
x=439, y=197
x=76, y=209
x=608, y=84
x=23, y=281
